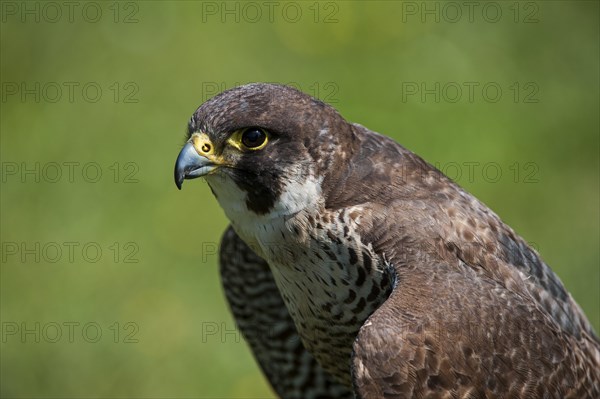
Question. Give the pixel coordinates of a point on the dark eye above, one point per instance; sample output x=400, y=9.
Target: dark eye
x=253, y=137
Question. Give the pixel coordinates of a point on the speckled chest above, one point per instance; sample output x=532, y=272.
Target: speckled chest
x=329, y=279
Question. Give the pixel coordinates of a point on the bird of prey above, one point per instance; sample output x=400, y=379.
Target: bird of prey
x=354, y=269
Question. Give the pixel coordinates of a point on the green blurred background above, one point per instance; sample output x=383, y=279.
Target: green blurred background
x=108, y=88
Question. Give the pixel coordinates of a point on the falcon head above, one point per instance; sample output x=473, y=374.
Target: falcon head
x=264, y=148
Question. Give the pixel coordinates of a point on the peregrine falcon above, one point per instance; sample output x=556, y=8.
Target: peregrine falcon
x=354, y=269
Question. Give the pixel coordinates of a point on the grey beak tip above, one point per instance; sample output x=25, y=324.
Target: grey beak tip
x=179, y=177
x=189, y=165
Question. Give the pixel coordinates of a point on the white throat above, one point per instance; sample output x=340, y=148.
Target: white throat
x=257, y=230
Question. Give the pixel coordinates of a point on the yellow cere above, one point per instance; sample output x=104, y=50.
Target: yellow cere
x=202, y=144
x=206, y=148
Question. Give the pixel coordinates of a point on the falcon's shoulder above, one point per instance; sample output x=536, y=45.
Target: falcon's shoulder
x=378, y=171
x=411, y=204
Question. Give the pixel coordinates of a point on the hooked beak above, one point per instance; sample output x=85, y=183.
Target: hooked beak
x=190, y=165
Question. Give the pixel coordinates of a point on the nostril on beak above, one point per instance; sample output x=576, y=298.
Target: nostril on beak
x=205, y=147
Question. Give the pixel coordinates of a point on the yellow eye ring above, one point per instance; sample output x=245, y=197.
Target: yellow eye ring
x=254, y=138
x=251, y=138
